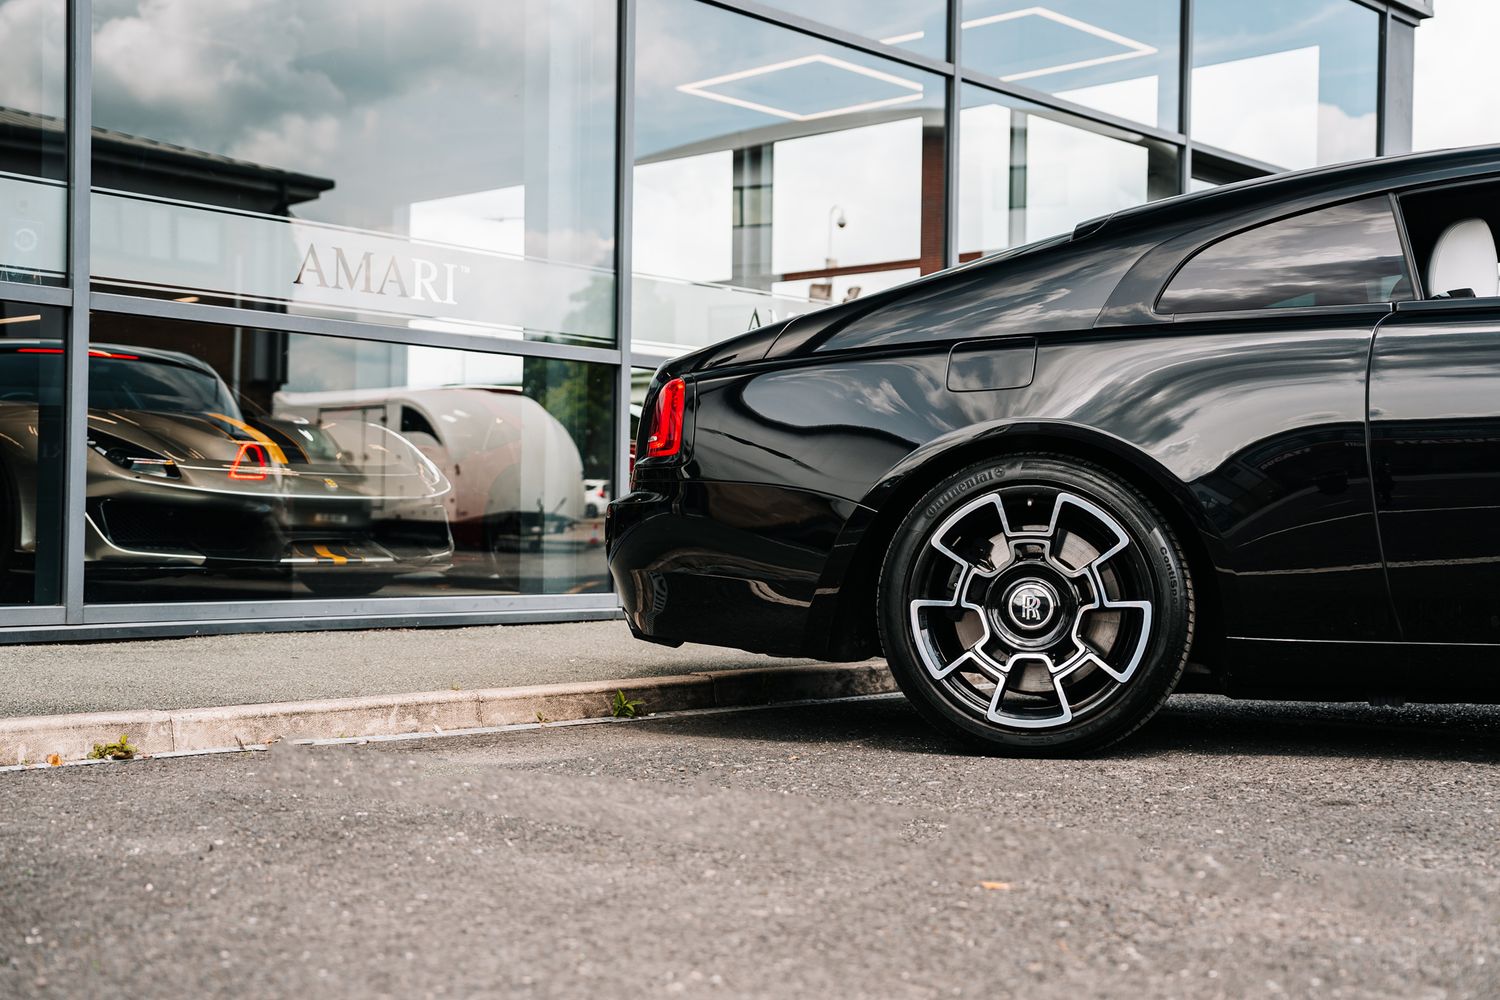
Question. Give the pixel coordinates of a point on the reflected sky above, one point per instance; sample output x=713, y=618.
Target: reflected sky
x=1291, y=82
x=33, y=36
x=1116, y=57
x=366, y=96
x=704, y=74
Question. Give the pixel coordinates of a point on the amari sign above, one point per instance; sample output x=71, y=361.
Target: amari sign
x=296, y=266
x=417, y=278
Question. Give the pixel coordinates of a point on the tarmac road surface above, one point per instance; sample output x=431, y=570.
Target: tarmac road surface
x=1229, y=850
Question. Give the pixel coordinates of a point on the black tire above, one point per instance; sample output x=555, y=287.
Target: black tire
x=351, y=585
x=1119, y=592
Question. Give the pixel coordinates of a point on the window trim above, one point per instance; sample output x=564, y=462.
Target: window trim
x=1449, y=305
x=1290, y=312
x=1413, y=272
x=1197, y=251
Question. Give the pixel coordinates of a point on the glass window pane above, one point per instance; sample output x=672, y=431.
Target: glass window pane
x=919, y=25
x=1026, y=173
x=1345, y=255
x=380, y=161
x=775, y=173
x=31, y=466
x=33, y=148
x=237, y=464
x=1121, y=58
x=1290, y=82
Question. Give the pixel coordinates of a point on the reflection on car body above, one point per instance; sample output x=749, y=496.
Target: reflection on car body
x=181, y=480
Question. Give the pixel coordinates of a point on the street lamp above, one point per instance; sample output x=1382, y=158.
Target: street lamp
x=836, y=219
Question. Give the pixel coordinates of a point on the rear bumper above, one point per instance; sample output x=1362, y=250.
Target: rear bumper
x=725, y=564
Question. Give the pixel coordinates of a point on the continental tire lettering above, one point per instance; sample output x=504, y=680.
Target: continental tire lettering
x=957, y=490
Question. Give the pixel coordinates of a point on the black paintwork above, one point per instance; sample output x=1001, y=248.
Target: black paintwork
x=810, y=440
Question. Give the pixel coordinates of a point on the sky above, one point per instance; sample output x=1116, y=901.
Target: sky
x=1457, y=80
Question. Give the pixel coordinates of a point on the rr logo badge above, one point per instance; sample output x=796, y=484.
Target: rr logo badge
x=1031, y=606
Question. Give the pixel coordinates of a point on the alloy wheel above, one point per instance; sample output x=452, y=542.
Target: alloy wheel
x=1030, y=606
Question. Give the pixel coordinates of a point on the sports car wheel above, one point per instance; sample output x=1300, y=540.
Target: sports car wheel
x=1036, y=605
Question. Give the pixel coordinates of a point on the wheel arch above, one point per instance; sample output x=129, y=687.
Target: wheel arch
x=849, y=624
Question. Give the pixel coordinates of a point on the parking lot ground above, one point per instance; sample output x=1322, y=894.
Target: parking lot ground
x=1229, y=850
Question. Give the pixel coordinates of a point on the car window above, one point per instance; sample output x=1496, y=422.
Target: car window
x=412, y=422
x=130, y=382
x=1344, y=255
x=1430, y=214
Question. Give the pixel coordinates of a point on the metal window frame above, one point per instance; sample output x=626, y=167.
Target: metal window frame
x=75, y=619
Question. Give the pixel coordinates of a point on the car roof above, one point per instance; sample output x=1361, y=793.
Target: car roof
x=121, y=351
x=1330, y=182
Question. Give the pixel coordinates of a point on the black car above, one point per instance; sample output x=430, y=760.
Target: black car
x=1244, y=441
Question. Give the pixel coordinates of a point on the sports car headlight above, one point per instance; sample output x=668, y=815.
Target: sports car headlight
x=431, y=475
x=132, y=457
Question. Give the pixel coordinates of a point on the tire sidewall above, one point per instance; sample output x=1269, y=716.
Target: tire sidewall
x=1171, y=596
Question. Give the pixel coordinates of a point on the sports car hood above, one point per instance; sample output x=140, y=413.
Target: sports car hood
x=208, y=445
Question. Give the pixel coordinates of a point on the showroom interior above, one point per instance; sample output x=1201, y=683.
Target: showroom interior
x=337, y=315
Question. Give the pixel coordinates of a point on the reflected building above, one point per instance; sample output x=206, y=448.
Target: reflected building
x=395, y=230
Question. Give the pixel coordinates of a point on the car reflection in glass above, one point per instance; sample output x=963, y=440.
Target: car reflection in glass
x=518, y=488
x=180, y=479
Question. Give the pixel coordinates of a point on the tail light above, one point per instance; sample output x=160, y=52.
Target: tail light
x=666, y=421
x=250, y=463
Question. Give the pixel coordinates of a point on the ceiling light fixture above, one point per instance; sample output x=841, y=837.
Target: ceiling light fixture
x=700, y=88
x=1134, y=49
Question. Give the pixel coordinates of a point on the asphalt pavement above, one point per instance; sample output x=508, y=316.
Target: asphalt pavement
x=209, y=671
x=1229, y=850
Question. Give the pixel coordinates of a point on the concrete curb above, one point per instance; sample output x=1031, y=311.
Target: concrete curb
x=71, y=737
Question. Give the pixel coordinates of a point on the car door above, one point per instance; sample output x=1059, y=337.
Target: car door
x=1435, y=450
x=1284, y=315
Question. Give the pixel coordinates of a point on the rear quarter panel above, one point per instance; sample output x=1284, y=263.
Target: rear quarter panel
x=1255, y=428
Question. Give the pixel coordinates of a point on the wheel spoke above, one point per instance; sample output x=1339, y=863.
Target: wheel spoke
x=937, y=665
x=1065, y=713
x=1143, y=632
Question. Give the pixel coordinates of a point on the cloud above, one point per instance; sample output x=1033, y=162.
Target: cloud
x=396, y=102
x=33, y=72
x=214, y=74
x=1342, y=136
x=1456, y=90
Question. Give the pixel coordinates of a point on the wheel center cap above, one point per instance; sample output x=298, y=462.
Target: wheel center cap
x=1030, y=606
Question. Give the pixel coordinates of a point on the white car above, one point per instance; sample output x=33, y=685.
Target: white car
x=516, y=472
x=595, y=497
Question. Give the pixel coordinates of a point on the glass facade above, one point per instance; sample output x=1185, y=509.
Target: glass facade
x=33, y=152
x=281, y=156
x=249, y=464
x=347, y=311
x=774, y=172
x=1027, y=172
x=33, y=372
x=1292, y=83
x=1119, y=58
